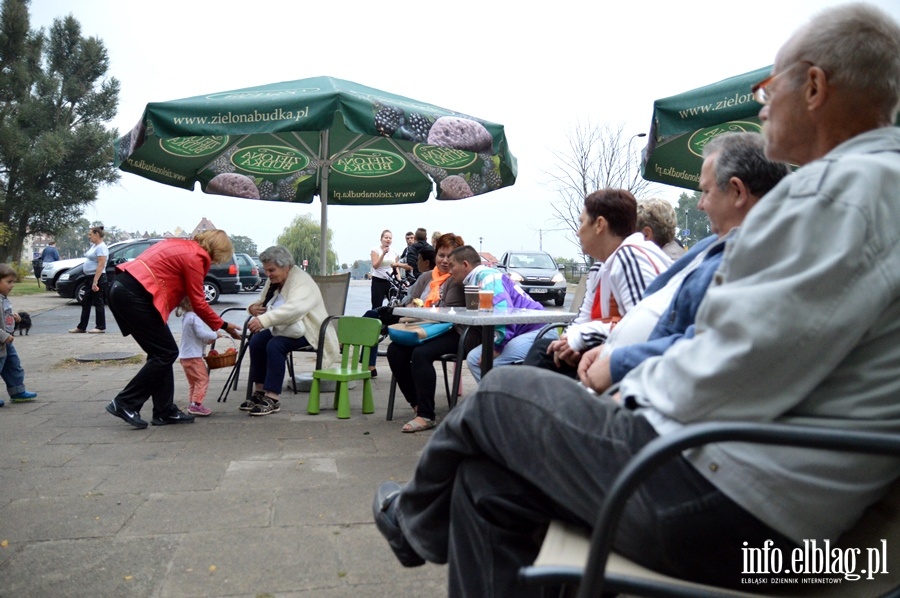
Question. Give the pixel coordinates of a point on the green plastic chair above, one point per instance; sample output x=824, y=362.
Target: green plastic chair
x=357, y=336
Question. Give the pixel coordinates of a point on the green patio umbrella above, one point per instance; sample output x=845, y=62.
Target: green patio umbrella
x=347, y=143
x=684, y=123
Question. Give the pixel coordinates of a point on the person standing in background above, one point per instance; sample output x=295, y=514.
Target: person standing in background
x=50, y=253
x=95, y=293
x=412, y=253
x=383, y=259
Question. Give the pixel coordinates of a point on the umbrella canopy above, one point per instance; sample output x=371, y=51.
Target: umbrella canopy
x=684, y=123
x=347, y=143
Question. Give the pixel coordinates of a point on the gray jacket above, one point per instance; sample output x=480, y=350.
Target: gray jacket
x=801, y=325
x=9, y=323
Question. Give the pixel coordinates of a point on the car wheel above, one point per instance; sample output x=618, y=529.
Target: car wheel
x=80, y=290
x=211, y=292
x=560, y=299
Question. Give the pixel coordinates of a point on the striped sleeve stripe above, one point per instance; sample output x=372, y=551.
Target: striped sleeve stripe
x=634, y=274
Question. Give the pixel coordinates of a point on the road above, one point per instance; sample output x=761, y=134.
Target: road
x=65, y=313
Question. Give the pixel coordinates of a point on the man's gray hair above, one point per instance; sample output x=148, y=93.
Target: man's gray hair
x=742, y=155
x=277, y=255
x=858, y=46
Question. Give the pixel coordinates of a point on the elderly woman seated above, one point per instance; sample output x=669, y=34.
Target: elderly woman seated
x=287, y=317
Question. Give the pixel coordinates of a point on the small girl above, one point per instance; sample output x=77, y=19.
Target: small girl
x=10, y=367
x=194, y=335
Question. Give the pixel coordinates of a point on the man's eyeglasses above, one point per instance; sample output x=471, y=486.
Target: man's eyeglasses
x=760, y=90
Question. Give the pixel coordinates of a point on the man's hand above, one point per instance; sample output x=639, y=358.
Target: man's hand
x=233, y=331
x=563, y=352
x=593, y=370
x=17, y=317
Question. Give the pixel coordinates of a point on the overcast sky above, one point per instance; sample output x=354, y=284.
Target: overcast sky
x=539, y=69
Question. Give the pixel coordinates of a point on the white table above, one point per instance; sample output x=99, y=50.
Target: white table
x=487, y=320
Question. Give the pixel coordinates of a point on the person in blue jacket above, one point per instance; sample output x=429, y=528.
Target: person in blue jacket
x=734, y=176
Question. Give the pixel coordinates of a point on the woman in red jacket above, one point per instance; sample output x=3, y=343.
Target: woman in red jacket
x=143, y=294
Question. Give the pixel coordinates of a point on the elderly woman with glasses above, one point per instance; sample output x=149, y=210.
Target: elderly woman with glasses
x=287, y=317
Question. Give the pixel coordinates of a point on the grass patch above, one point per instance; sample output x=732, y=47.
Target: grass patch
x=25, y=288
x=71, y=362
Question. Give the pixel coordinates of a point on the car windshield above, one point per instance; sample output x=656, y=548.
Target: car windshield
x=541, y=261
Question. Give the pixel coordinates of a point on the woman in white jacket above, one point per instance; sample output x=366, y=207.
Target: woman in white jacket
x=287, y=316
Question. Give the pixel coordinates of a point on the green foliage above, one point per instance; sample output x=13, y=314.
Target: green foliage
x=691, y=219
x=244, y=245
x=301, y=238
x=72, y=241
x=23, y=270
x=55, y=100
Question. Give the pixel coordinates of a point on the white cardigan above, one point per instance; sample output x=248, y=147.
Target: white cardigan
x=301, y=314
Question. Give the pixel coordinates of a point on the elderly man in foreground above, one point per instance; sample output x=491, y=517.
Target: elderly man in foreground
x=802, y=325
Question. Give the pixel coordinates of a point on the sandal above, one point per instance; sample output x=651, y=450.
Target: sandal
x=413, y=425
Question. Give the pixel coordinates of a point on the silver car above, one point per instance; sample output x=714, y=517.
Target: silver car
x=52, y=270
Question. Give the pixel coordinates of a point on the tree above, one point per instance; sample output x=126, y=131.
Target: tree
x=598, y=157
x=692, y=220
x=55, y=151
x=72, y=241
x=244, y=245
x=301, y=238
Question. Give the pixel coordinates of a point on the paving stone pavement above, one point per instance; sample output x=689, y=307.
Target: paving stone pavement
x=228, y=506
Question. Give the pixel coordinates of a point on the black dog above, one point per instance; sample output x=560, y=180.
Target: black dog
x=24, y=323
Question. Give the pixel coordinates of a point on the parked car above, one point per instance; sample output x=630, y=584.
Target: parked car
x=221, y=278
x=262, y=273
x=249, y=272
x=53, y=270
x=537, y=273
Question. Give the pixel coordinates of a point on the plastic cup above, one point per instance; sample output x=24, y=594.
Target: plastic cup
x=471, y=298
x=485, y=300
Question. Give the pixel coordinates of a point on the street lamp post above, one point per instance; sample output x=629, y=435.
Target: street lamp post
x=628, y=158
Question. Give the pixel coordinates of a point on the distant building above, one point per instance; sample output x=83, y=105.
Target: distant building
x=488, y=259
x=205, y=224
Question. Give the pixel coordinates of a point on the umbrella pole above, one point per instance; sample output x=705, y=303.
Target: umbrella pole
x=323, y=196
x=323, y=246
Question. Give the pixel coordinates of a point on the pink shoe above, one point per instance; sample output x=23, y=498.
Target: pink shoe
x=198, y=409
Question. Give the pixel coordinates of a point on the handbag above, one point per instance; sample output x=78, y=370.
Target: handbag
x=411, y=334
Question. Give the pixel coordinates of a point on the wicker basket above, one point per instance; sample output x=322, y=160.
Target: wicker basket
x=222, y=360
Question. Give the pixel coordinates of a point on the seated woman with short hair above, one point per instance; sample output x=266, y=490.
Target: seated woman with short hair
x=287, y=316
x=413, y=367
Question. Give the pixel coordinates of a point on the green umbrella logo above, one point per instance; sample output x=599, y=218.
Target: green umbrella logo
x=193, y=147
x=444, y=157
x=269, y=159
x=699, y=139
x=370, y=163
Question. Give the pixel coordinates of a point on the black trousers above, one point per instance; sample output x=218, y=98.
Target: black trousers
x=95, y=300
x=132, y=306
x=380, y=289
x=413, y=367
